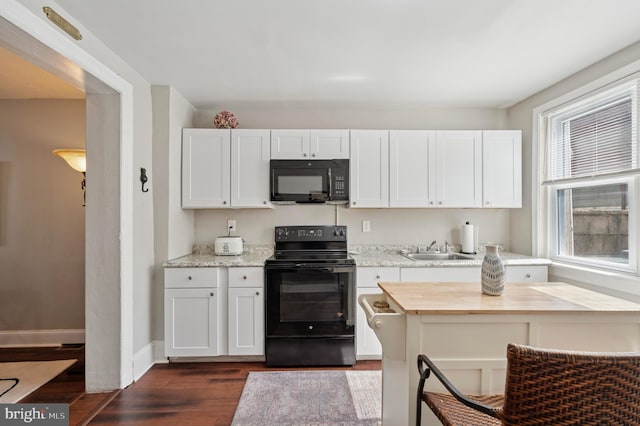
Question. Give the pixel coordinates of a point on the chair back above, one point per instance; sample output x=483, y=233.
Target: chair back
x=554, y=387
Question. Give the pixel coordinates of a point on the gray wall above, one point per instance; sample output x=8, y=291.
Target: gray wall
x=42, y=221
x=520, y=116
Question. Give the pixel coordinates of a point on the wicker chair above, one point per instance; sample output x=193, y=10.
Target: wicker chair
x=545, y=387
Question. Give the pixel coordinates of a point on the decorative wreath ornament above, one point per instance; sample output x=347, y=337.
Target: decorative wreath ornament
x=225, y=120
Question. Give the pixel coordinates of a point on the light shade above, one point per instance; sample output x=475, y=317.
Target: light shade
x=76, y=158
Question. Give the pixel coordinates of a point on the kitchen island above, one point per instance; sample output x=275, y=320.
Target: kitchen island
x=466, y=333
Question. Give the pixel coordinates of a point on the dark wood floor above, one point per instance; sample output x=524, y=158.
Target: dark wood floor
x=168, y=394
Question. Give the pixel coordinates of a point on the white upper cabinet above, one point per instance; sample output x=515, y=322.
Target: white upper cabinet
x=296, y=144
x=369, y=168
x=328, y=144
x=502, y=168
x=205, y=168
x=250, y=155
x=289, y=144
x=458, y=168
x=410, y=154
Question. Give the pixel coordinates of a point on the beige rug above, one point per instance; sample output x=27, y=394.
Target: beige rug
x=30, y=374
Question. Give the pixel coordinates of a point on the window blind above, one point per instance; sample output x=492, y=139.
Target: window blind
x=592, y=139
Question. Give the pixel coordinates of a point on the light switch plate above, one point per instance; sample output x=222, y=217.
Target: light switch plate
x=366, y=226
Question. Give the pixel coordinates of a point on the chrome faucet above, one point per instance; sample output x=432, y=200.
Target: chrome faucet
x=430, y=246
x=447, y=247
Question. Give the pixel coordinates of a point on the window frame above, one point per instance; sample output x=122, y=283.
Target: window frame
x=553, y=220
x=542, y=221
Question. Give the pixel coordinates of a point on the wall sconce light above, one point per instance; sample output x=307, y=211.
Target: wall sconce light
x=77, y=159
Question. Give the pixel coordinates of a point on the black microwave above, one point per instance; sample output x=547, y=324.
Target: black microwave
x=310, y=181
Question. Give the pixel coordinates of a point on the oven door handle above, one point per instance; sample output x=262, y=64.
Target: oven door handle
x=305, y=267
x=329, y=269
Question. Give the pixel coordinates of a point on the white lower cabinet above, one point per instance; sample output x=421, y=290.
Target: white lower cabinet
x=246, y=311
x=514, y=273
x=191, y=304
x=367, y=344
x=521, y=274
x=453, y=274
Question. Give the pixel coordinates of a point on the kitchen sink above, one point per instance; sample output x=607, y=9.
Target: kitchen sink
x=436, y=256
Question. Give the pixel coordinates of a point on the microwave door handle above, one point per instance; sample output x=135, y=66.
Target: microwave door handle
x=330, y=192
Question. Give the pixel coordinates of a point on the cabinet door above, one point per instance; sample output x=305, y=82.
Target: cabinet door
x=328, y=144
x=369, y=164
x=502, y=168
x=367, y=344
x=250, y=155
x=289, y=144
x=458, y=169
x=246, y=321
x=410, y=153
x=205, y=168
x=190, y=325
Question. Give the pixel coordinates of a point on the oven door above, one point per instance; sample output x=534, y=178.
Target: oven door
x=300, y=181
x=305, y=300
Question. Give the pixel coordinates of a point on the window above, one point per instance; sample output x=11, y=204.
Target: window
x=589, y=170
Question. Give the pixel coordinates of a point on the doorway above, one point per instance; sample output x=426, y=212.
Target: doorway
x=109, y=210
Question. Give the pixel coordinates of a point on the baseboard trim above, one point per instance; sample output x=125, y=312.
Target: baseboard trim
x=18, y=338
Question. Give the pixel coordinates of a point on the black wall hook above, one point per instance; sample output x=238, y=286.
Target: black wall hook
x=143, y=178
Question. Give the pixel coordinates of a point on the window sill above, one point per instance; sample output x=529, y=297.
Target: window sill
x=617, y=284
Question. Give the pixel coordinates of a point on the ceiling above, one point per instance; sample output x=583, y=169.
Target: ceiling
x=373, y=53
x=20, y=79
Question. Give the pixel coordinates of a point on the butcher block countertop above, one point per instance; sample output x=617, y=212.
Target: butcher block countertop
x=427, y=298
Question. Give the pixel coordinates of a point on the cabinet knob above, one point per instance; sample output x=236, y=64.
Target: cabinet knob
x=431, y=202
x=377, y=277
x=189, y=277
x=313, y=155
x=264, y=202
x=487, y=202
x=304, y=155
x=354, y=203
x=211, y=294
x=224, y=202
x=257, y=293
x=528, y=275
x=244, y=277
x=440, y=202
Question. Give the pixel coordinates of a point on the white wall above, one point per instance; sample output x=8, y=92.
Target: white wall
x=42, y=220
x=388, y=226
x=520, y=116
x=174, y=229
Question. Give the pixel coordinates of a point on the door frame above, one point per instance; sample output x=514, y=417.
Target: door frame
x=109, y=350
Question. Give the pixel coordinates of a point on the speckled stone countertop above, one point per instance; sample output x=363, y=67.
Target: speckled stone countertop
x=203, y=256
x=389, y=255
x=364, y=255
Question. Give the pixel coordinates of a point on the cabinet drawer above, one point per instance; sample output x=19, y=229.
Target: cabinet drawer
x=454, y=274
x=521, y=274
x=371, y=276
x=246, y=277
x=191, y=277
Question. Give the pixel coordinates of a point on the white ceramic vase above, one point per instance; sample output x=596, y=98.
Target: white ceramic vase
x=493, y=274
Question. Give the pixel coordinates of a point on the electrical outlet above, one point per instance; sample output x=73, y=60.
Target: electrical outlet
x=366, y=226
x=231, y=225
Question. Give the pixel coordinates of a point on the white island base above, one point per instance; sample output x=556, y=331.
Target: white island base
x=466, y=333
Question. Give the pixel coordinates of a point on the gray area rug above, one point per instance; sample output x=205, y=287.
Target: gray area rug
x=310, y=398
